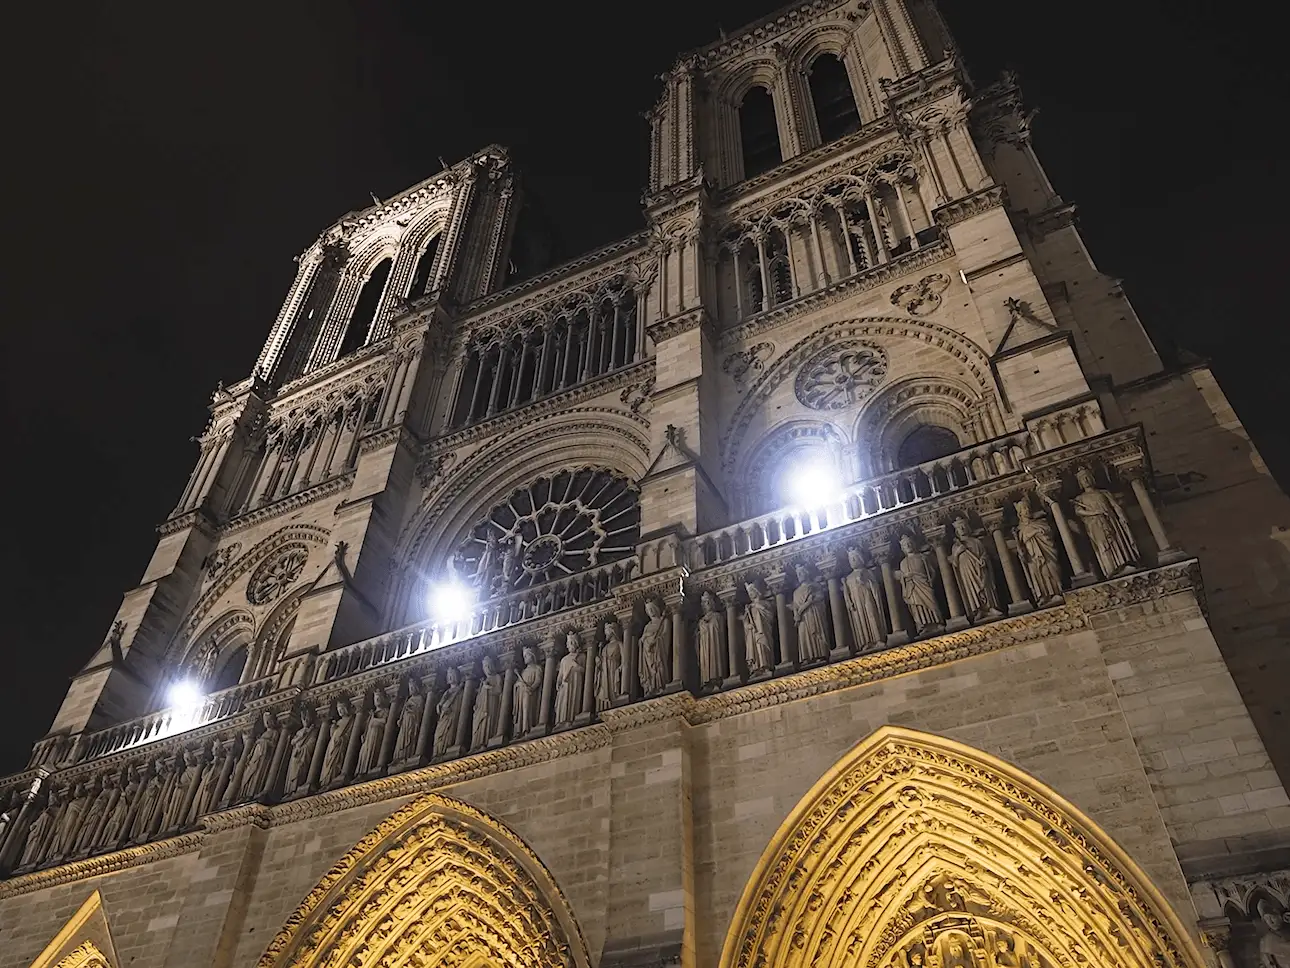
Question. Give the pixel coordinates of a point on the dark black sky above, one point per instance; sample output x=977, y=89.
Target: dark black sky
x=165, y=162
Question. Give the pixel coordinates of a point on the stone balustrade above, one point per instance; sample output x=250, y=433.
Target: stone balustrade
x=1023, y=535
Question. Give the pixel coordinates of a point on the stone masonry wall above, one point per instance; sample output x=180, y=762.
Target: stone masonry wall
x=653, y=835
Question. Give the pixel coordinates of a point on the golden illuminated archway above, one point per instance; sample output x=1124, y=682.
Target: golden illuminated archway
x=916, y=851
x=439, y=883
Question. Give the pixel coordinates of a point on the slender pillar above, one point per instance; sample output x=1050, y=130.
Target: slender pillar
x=765, y=274
x=469, y=686
x=425, y=731
x=323, y=715
x=1166, y=553
x=508, y=699
x=958, y=620
x=847, y=241
x=736, y=663
x=550, y=651
x=904, y=214
x=1080, y=575
x=1018, y=603
x=739, y=282
x=898, y=634
x=876, y=226
x=590, y=648
x=496, y=389
x=390, y=733
x=680, y=647
x=631, y=655
x=843, y=647
x=784, y=620
x=819, y=249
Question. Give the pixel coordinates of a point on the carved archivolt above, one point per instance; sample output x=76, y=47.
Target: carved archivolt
x=917, y=850
x=439, y=883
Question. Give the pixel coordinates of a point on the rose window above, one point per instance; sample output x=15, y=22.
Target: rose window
x=840, y=377
x=275, y=575
x=553, y=527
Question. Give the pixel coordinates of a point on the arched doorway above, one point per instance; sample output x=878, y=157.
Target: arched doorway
x=463, y=889
x=919, y=851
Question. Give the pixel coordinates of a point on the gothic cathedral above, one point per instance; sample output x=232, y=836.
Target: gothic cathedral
x=829, y=575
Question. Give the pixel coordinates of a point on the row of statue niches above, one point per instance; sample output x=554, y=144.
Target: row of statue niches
x=808, y=614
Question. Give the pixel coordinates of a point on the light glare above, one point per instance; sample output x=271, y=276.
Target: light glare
x=184, y=695
x=451, y=601
x=813, y=484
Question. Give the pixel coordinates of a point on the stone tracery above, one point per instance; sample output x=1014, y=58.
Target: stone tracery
x=916, y=850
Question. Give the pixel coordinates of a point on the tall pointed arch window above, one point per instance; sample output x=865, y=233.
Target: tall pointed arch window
x=758, y=132
x=369, y=298
x=835, y=104
x=421, y=278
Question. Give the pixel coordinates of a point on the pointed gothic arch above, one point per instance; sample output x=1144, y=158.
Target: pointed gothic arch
x=85, y=941
x=918, y=850
x=437, y=883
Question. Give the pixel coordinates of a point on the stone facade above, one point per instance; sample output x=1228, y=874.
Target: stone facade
x=819, y=568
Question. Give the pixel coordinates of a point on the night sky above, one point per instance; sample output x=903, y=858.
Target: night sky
x=164, y=170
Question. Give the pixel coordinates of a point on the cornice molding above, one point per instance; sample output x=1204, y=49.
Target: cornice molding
x=81, y=870
x=198, y=519
x=962, y=209
x=285, y=505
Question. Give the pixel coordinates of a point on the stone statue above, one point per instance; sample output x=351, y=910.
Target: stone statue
x=99, y=809
x=569, y=679
x=760, y=631
x=609, y=672
x=1037, y=551
x=975, y=573
x=488, y=705
x=172, y=812
x=333, y=764
x=255, y=775
x=410, y=721
x=447, y=711
x=510, y=566
x=811, y=614
x=301, y=755
x=655, y=649
x=69, y=822
x=863, y=593
x=1274, y=946
x=527, y=694
x=484, y=567
x=1106, y=525
x=42, y=829
x=208, y=764
x=369, y=750
x=712, y=642
x=916, y=588
x=114, y=830
x=149, y=797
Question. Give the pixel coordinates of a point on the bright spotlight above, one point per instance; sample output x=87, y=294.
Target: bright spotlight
x=184, y=695
x=813, y=484
x=451, y=601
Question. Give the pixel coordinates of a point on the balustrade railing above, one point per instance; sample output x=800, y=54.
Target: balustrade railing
x=168, y=722
x=923, y=482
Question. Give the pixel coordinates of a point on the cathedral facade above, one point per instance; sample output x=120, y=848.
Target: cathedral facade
x=830, y=574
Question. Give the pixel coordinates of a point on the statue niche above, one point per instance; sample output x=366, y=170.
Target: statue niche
x=549, y=529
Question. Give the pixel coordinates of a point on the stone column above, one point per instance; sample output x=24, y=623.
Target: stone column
x=736, y=662
x=287, y=724
x=1080, y=575
x=508, y=699
x=680, y=645
x=1216, y=935
x=882, y=554
x=362, y=707
x=833, y=569
x=1019, y=602
x=425, y=731
x=778, y=584
x=949, y=581
x=1165, y=552
x=550, y=653
x=465, y=714
x=591, y=649
x=391, y=727
x=630, y=685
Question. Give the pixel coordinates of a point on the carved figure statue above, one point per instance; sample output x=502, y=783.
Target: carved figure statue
x=811, y=614
x=488, y=705
x=655, y=649
x=510, y=566
x=114, y=829
x=99, y=809
x=149, y=796
x=172, y=814
x=1274, y=946
x=569, y=679
x=712, y=642
x=410, y=721
x=760, y=631
x=255, y=775
x=369, y=750
x=527, y=694
x=41, y=830
x=300, y=756
x=1037, y=551
x=484, y=567
x=447, y=711
x=208, y=764
x=609, y=671
x=1106, y=525
x=975, y=573
x=69, y=823
x=916, y=588
x=864, y=595
x=342, y=725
